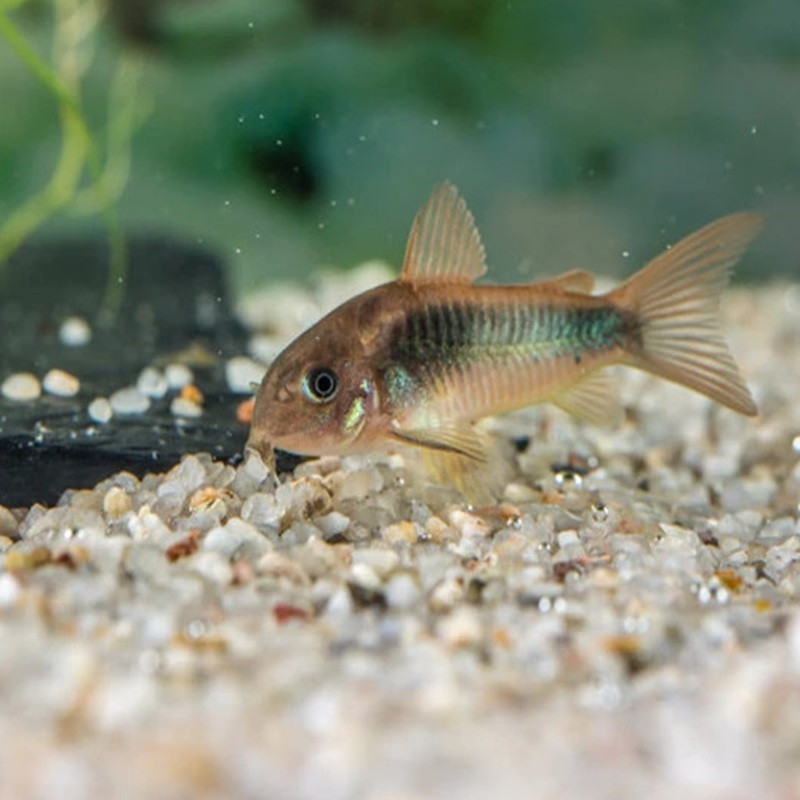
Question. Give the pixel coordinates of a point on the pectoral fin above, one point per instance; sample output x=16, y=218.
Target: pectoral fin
x=593, y=399
x=456, y=439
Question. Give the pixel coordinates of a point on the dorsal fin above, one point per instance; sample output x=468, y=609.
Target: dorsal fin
x=578, y=281
x=444, y=245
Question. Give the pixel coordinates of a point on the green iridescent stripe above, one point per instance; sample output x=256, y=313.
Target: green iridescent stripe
x=468, y=332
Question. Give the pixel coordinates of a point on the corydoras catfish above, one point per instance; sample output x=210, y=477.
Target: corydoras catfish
x=419, y=360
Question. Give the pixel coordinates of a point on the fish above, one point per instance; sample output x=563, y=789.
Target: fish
x=418, y=361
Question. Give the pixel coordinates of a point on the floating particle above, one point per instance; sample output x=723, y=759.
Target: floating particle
x=129, y=401
x=178, y=375
x=100, y=410
x=241, y=373
x=74, y=332
x=21, y=386
x=61, y=383
x=152, y=383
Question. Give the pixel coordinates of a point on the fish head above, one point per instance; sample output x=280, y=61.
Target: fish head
x=319, y=396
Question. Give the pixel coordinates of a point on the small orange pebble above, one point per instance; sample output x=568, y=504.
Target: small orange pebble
x=501, y=638
x=729, y=579
x=762, y=606
x=623, y=644
x=19, y=560
x=191, y=393
x=182, y=548
x=244, y=411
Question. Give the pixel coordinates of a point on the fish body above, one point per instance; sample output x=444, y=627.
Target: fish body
x=417, y=361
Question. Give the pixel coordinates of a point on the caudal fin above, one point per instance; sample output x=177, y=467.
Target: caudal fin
x=675, y=302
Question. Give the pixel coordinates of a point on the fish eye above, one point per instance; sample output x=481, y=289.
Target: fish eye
x=320, y=384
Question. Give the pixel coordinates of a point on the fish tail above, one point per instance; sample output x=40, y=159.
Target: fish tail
x=673, y=304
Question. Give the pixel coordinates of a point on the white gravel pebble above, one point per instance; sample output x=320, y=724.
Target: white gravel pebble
x=61, y=383
x=100, y=410
x=21, y=386
x=178, y=375
x=183, y=407
x=74, y=332
x=152, y=383
x=129, y=401
x=242, y=373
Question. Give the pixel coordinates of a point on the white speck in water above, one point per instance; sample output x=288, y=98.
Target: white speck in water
x=237, y=250
x=321, y=225
x=435, y=122
x=362, y=138
x=251, y=25
x=241, y=118
x=74, y=332
x=625, y=253
x=754, y=129
x=226, y=203
x=279, y=142
x=262, y=115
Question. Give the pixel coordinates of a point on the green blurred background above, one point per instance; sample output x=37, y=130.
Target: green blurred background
x=290, y=135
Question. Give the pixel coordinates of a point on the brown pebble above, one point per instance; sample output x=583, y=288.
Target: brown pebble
x=184, y=547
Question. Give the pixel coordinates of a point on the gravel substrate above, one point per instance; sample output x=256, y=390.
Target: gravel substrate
x=624, y=622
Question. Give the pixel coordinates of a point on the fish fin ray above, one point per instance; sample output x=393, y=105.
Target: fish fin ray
x=455, y=439
x=480, y=482
x=675, y=303
x=444, y=245
x=578, y=281
x=594, y=399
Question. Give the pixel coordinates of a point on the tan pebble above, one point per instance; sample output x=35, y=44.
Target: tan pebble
x=446, y=594
x=400, y=533
x=21, y=560
x=208, y=498
x=21, y=386
x=468, y=524
x=61, y=383
x=520, y=493
x=382, y=560
x=100, y=410
x=279, y=566
x=116, y=502
x=5, y=543
x=437, y=530
x=8, y=522
x=461, y=628
x=181, y=407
